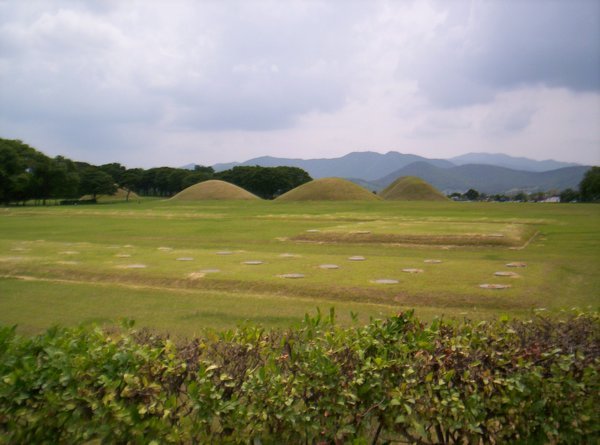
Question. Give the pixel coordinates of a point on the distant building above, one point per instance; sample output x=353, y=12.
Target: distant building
x=552, y=199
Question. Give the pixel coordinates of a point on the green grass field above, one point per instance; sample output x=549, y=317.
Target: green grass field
x=163, y=263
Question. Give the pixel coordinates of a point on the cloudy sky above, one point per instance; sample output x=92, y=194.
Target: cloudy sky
x=171, y=82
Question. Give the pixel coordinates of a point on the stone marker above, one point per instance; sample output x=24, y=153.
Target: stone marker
x=494, y=286
x=385, y=281
x=329, y=266
x=516, y=264
x=252, y=263
x=432, y=261
x=357, y=258
x=291, y=275
x=506, y=274
x=185, y=258
x=411, y=270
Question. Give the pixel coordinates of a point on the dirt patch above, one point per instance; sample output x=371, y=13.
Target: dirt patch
x=69, y=252
x=196, y=275
x=205, y=271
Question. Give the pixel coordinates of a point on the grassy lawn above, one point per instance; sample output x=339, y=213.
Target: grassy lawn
x=181, y=266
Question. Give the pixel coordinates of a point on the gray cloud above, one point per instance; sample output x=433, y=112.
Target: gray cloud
x=497, y=46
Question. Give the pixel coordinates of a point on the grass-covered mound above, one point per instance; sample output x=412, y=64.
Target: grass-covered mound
x=391, y=381
x=213, y=189
x=329, y=189
x=411, y=188
x=119, y=195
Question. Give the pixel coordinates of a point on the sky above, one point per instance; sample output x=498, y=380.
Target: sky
x=170, y=82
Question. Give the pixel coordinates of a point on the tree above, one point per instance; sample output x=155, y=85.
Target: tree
x=266, y=182
x=96, y=182
x=115, y=170
x=472, y=195
x=569, y=195
x=589, y=187
x=131, y=180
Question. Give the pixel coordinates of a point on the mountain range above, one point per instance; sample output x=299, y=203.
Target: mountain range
x=485, y=172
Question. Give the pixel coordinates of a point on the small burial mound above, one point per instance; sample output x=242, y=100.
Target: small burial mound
x=213, y=190
x=119, y=195
x=411, y=188
x=329, y=189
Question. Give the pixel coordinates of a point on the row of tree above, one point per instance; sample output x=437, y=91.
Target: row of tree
x=27, y=174
x=589, y=191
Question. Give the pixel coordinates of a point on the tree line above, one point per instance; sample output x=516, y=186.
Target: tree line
x=27, y=174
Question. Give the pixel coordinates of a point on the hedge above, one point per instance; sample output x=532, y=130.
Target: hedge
x=395, y=380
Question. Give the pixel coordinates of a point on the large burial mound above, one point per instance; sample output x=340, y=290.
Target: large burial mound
x=213, y=190
x=411, y=188
x=329, y=189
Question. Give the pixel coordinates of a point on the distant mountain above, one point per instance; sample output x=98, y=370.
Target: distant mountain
x=366, y=165
x=515, y=163
x=486, y=178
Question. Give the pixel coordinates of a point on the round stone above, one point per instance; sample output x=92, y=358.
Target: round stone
x=329, y=266
x=432, y=261
x=494, y=286
x=357, y=258
x=385, y=281
x=291, y=275
x=411, y=270
x=516, y=264
x=253, y=263
x=185, y=258
x=506, y=274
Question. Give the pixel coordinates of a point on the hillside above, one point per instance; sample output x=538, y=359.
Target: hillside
x=514, y=163
x=411, y=188
x=487, y=178
x=328, y=189
x=366, y=165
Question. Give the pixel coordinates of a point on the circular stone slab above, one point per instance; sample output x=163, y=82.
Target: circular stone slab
x=185, y=258
x=506, y=274
x=225, y=252
x=329, y=266
x=385, y=281
x=69, y=252
x=210, y=271
x=516, y=264
x=123, y=255
x=165, y=249
x=361, y=232
x=432, y=261
x=252, y=263
x=494, y=286
x=133, y=266
x=313, y=230
x=291, y=275
x=357, y=258
x=411, y=270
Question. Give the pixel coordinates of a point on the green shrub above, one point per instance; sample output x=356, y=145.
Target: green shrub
x=450, y=382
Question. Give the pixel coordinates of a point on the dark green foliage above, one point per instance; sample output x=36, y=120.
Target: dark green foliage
x=266, y=182
x=394, y=380
x=96, y=182
x=589, y=188
x=569, y=195
x=472, y=195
